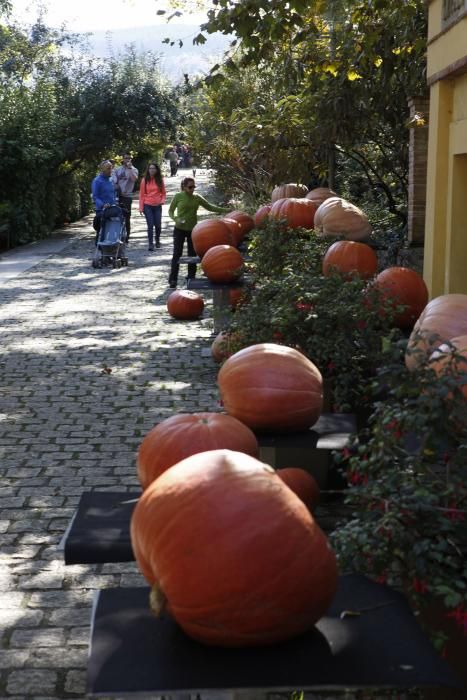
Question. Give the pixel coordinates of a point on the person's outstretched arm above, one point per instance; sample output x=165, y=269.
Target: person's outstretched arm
x=211, y=207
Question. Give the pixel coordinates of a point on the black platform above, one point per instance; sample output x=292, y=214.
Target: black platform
x=381, y=646
x=220, y=298
x=309, y=449
x=100, y=530
x=204, y=283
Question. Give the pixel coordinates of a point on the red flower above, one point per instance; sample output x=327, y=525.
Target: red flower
x=303, y=306
x=419, y=585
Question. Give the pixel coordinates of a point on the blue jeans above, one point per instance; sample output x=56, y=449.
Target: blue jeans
x=153, y=216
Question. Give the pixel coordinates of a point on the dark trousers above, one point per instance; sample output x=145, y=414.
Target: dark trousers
x=125, y=203
x=173, y=168
x=179, y=240
x=153, y=216
x=96, y=224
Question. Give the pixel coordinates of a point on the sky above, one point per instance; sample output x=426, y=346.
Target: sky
x=94, y=15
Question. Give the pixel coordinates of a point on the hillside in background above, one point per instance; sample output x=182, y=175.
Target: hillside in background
x=175, y=61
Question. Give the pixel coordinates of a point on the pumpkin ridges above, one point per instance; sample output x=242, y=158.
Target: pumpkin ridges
x=262, y=214
x=185, y=304
x=302, y=483
x=292, y=189
x=320, y=194
x=298, y=213
x=403, y=287
x=338, y=217
x=350, y=257
x=208, y=233
x=271, y=387
x=241, y=589
x=443, y=318
x=222, y=264
x=185, y=434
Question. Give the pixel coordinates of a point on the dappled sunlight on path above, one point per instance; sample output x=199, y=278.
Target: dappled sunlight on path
x=90, y=360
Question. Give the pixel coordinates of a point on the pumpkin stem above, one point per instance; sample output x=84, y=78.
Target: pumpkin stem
x=157, y=600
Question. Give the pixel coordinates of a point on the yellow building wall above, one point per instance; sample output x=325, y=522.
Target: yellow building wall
x=445, y=259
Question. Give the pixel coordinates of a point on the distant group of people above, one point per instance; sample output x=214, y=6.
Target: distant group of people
x=180, y=155
x=115, y=185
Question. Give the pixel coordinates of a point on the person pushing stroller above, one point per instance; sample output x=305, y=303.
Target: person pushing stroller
x=103, y=193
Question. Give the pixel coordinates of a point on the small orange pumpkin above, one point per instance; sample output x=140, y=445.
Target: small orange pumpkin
x=298, y=213
x=209, y=233
x=271, y=387
x=403, y=287
x=222, y=264
x=292, y=189
x=350, y=258
x=236, y=297
x=185, y=305
x=303, y=484
x=186, y=434
x=262, y=214
x=239, y=224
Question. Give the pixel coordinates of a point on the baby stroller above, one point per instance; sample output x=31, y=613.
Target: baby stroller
x=111, y=242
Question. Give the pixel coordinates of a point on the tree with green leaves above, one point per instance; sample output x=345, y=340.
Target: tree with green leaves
x=342, y=74
x=60, y=114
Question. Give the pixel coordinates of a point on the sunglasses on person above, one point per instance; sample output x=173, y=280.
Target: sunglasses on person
x=190, y=187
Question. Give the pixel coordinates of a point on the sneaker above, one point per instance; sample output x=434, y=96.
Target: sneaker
x=151, y=248
x=172, y=285
x=158, y=245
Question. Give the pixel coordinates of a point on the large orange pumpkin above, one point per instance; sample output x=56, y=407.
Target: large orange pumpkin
x=186, y=434
x=239, y=224
x=231, y=552
x=271, y=387
x=337, y=217
x=401, y=286
x=443, y=318
x=302, y=483
x=350, y=258
x=319, y=194
x=262, y=214
x=185, y=305
x=209, y=233
x=298, y=213
x=292, y=189
x=222, y=264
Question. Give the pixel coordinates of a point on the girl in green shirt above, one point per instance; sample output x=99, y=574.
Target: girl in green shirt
x=183, y=210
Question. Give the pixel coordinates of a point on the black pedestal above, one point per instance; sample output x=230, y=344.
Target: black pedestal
x=100, y=530
x=380, y=646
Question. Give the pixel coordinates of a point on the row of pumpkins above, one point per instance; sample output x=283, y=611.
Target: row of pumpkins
x=229, y=545
x=216, y=240
x=216, y=532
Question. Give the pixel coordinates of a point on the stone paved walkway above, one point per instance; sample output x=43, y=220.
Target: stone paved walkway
x=67, y=426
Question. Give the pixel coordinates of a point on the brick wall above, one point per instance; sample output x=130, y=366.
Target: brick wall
x=418, y=153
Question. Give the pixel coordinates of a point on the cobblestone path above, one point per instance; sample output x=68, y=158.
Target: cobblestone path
x=68, y=425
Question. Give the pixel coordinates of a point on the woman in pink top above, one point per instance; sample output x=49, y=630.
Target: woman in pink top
x=151, y=198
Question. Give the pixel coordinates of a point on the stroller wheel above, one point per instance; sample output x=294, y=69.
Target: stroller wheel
x=118, y=263
x=125, y=262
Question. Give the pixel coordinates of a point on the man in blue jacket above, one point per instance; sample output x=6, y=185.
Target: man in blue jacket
x=103, y=193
